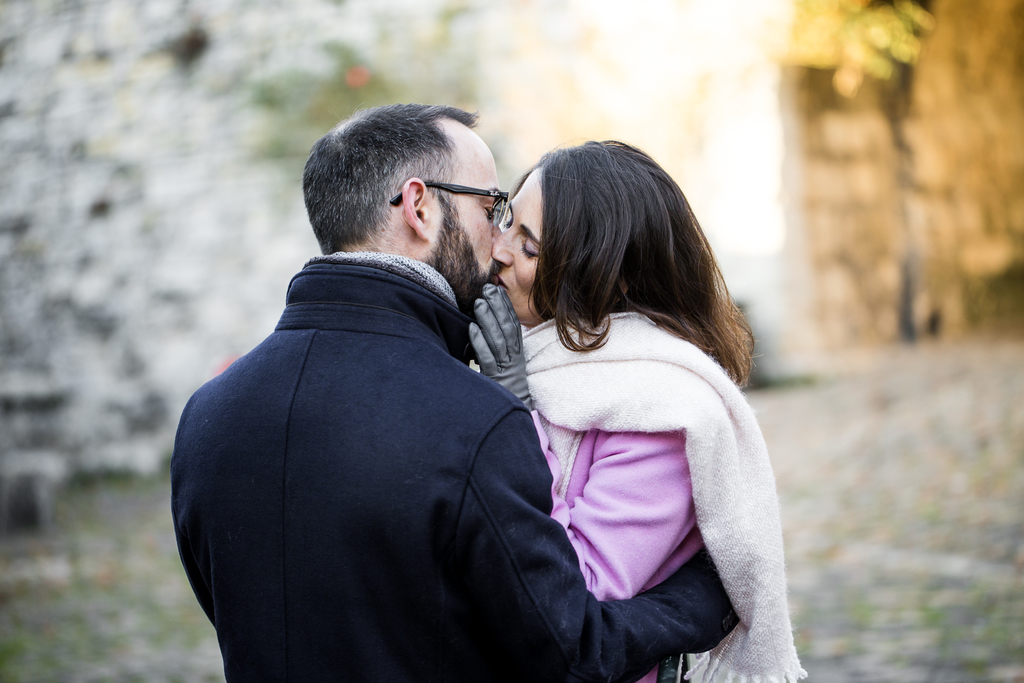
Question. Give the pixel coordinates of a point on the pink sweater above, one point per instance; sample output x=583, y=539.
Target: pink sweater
x=628, y=510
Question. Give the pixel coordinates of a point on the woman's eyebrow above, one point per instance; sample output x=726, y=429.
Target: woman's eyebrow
x=522, y=226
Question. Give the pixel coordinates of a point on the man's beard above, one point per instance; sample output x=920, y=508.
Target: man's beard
x=453, y=258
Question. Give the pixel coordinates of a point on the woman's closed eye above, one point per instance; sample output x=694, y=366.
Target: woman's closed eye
x=530, y=244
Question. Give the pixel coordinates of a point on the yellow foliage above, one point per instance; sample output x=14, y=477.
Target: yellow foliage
x=857, y=37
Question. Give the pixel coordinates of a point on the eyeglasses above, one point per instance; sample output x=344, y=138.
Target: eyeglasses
x=500, y=212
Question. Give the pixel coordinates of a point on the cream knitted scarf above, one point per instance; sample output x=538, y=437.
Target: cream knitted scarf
x=644, y=379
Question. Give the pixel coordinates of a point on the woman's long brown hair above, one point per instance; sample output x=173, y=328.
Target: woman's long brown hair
x=618, y=235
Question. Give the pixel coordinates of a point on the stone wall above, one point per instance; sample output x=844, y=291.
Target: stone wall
x=965, y=133
x=912, y=192
x=142, y=244
x=151, y=210
x=851, y=206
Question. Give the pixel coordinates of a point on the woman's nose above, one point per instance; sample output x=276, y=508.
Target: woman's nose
x=499, y=247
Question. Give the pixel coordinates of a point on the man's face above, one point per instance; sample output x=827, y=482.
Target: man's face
x=464, y=241
x=455, y=260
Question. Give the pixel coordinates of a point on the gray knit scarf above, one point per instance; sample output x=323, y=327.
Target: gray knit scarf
x=410, y=269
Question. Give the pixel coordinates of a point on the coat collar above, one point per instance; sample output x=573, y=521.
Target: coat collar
x=359, y=297
x=417, y=271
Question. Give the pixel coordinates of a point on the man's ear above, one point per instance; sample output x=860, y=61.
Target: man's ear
x=420, y=212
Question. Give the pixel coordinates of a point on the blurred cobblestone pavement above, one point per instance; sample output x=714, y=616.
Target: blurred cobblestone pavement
x=902, y=489
x=902, y=485
x=102, y=597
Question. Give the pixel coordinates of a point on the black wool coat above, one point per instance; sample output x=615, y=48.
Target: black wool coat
x=353, y=503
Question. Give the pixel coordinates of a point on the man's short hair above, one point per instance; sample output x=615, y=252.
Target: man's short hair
x=354, y=169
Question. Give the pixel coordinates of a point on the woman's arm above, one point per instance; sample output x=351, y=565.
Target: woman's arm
x=633, y=512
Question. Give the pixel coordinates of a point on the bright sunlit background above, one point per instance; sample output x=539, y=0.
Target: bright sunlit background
x=858, y=166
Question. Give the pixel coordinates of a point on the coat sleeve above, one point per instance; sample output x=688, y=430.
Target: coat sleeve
x=192, y=555
x=523, y=576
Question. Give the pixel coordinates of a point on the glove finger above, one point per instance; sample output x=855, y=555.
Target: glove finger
x=511, y=328
x=505, y=314
x=484, y=355
x=487, y=319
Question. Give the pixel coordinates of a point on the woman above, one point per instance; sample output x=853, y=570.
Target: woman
x=631, y=358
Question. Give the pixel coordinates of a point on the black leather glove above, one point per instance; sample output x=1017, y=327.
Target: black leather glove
x=497, y=339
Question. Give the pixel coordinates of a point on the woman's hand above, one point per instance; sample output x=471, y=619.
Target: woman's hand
x=497, y=339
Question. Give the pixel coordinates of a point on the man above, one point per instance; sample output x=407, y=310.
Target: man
x=351, y=501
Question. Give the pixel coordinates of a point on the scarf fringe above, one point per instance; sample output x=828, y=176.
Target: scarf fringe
x=714, y=665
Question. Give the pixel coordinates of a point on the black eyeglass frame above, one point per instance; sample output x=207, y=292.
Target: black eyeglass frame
x=498, y=209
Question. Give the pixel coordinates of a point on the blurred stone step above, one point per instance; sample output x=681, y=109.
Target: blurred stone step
x=28, y=484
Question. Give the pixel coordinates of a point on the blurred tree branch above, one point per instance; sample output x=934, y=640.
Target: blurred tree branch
x=857, y=38
x=431, y=61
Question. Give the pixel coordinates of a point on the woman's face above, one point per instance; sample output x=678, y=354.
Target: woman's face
x=515, y=251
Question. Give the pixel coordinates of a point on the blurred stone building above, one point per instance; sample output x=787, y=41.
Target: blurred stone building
x=910, y=194
x=151, y=215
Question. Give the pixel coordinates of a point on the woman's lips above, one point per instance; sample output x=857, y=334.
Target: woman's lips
x=498, y=281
